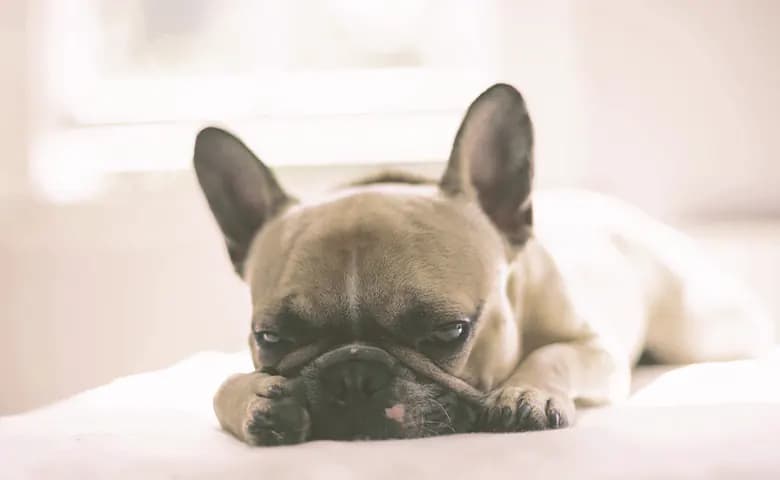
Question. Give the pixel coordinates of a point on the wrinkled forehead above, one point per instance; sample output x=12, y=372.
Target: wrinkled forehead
x=374, y=252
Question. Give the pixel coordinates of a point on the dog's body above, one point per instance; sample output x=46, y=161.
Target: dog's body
x=400, y=308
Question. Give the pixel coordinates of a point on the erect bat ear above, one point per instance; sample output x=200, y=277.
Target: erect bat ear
x=241, y=191
x=492, y=160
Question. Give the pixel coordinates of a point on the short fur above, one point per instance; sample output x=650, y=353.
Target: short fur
x=555, y=298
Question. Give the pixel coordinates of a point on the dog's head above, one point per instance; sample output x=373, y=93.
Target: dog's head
x=388, y=298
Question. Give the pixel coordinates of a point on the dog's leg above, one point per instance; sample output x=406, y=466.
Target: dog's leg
x=565, y=327
x=709, y=324
x=541, y=393
x=260, y=410
x=703, y=313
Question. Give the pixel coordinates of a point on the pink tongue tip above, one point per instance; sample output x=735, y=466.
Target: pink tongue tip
x=396, y=412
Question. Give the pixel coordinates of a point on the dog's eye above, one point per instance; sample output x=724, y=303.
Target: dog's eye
x=449, y=332
x=268, y=337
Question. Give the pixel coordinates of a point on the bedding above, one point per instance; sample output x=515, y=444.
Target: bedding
x=709, y=421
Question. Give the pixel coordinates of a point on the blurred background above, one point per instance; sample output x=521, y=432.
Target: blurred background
x=109, y=260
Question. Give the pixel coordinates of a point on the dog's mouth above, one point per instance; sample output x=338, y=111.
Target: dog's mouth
x=410, y=410
x=362, y=392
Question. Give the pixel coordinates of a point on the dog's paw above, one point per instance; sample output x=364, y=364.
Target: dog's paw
x=518, y=409
x=273, y=416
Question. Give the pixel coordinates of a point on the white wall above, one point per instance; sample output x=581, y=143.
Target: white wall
x=13, y=148
x=682, y=102
x=14, y=116
x=673, y=105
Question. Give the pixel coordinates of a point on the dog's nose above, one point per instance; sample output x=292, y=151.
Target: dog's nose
x=355, y=381
x=355, y=373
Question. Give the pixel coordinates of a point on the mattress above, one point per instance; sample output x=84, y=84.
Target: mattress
x=709, y=421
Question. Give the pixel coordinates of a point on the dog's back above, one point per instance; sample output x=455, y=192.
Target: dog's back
x=651, y=286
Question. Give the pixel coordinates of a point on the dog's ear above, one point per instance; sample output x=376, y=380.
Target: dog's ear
x=492, y=160
x=241, y=192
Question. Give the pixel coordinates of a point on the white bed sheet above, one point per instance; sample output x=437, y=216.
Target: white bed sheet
x=708, y=421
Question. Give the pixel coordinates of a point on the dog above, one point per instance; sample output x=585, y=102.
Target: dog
x=400, y=307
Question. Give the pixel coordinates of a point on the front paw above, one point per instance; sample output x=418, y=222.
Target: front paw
x=273, y=416
x=518, y=409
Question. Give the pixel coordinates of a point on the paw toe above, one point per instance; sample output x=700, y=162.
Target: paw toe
x=516, y=410
x=555, y=417
x=276, y=423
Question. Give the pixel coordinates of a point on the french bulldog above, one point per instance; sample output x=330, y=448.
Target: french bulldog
x=399, y=307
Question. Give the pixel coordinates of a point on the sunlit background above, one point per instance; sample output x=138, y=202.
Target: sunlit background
x=109, y=260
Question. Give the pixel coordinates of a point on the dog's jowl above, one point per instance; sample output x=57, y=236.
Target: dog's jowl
x=399, y=307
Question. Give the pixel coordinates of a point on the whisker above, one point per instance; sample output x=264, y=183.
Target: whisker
x=449, y=422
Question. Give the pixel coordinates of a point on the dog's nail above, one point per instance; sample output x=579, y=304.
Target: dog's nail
x=274, y=390
x=555, y=419
x=506, y=414
x=487, y=417
x=523, y=412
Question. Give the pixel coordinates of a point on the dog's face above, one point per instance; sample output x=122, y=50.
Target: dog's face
x=375, y=269
x=386, y=300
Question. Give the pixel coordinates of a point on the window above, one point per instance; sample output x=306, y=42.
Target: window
x=303, y=82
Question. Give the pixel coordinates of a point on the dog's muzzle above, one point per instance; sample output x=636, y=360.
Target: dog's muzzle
x=355, y=374
x=360, y=390
x=358, y=370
